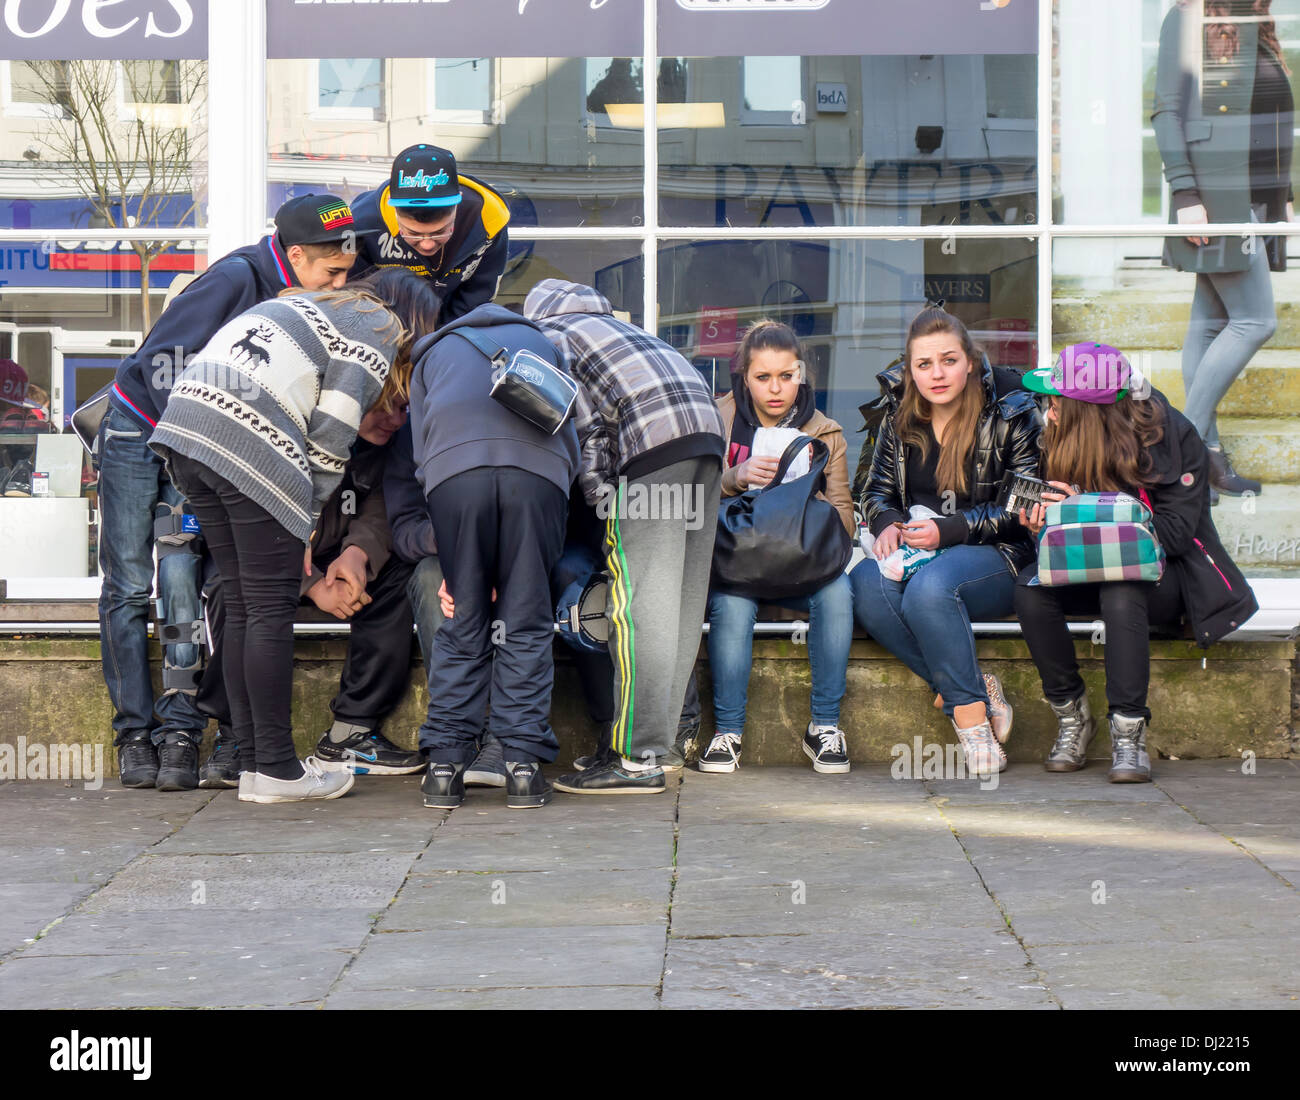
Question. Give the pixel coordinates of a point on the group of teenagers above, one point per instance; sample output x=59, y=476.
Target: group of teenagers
x=328, y=425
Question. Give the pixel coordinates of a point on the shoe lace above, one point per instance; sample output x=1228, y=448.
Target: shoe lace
x=313, y=770
x=831, y=738
x=980, y=745
x=1125, y=746
x=724, y=742
x=997, y=700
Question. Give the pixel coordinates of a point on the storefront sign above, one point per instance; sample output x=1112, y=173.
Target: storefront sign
x=453, y=28
x=729, y=28
x=693, y=28
x=97, y=30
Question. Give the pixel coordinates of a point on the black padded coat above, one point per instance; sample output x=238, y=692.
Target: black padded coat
x=1007, y=439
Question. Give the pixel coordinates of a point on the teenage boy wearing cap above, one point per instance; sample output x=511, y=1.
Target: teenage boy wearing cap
x=1099, y=411
x=445, y=227
x=313, y=247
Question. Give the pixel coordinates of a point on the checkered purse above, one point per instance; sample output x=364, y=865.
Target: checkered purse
x=1097, y=537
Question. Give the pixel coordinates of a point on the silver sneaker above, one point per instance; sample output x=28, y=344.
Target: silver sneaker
x=1075, y=728
x=1129, y=762
x=316, y=783
x=1001, y=713
x=979, y=745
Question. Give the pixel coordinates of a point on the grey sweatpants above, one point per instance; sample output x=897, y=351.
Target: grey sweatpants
x=659, y=534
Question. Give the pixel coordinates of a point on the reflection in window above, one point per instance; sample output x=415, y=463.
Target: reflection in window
x=37, y=88
x=1011, y=83
x=462, y=86
x=772, y=88
x=350, y=83
x=617, y=80
x=152, y=82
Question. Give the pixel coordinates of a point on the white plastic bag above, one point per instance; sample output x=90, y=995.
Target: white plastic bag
x=906, y=560
x=772, y=442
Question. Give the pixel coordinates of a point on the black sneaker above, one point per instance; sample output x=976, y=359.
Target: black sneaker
x=526, y=787
x=612, y=777
x=443, y=785
x=178, y=763
x=367, y=752
x=722, y=756
x=603, y=755
x=222, y=768
x=826, y=747
x=137, y=762
x=489, y=767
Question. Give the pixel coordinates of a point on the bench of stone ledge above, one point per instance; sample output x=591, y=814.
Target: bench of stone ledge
x=1240, y=695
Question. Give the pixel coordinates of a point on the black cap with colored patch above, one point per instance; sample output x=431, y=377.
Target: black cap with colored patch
x=315, y=219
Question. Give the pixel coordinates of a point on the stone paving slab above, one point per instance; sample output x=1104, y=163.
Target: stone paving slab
x=545, y=999
x=299, y=881
x=973, y=969
x=539, y=845
x=1236, y=973
x=292, y=974
x=369, y=822
x=495, y=958
x=710, y=909
x=455, y=900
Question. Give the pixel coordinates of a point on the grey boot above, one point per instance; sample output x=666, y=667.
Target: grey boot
x=1075, y=728
x=1129, y=762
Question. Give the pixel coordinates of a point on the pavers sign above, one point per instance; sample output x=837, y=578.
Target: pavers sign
x=34, y=30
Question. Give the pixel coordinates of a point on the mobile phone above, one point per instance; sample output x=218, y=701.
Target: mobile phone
x=1019, y=491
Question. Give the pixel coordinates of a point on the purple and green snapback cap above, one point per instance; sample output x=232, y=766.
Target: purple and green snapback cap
x=1096, y=373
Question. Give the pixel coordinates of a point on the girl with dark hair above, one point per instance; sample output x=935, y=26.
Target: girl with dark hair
x=771, y=390
x=1101, y=438
x=1224, y=119
x=256, y=435
x=948, y=439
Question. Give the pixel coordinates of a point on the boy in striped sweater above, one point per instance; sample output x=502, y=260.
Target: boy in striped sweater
x=256, y=434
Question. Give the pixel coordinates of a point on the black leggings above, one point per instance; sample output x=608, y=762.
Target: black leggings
x=1127, y=608
x=260, y=564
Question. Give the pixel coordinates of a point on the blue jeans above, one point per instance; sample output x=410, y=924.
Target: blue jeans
x=132, y=481
x=731, y=648
x=925, y=620
x=422, y=590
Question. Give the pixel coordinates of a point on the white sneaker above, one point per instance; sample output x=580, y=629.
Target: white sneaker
x=245, y=786
x=316, y=783
x=722, y=755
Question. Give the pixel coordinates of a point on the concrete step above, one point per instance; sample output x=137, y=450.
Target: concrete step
x=1268, y=387
x=1264, y=448
x=1133, y=320
x=1262, y=532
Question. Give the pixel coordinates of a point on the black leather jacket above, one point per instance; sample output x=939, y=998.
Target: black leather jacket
x=1007, y=439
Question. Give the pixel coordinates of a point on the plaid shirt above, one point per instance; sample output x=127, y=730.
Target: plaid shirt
x=635, y=393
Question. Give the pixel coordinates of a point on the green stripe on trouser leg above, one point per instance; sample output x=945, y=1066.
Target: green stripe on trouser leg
x=622, y=632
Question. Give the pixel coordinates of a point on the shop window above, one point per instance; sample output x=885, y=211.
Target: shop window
x=461, y=89
x=350, y=88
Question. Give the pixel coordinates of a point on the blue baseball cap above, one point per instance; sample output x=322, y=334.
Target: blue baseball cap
x=424, y=175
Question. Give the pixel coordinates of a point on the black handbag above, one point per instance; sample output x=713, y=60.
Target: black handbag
x=781, y=541
x=526, y=384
